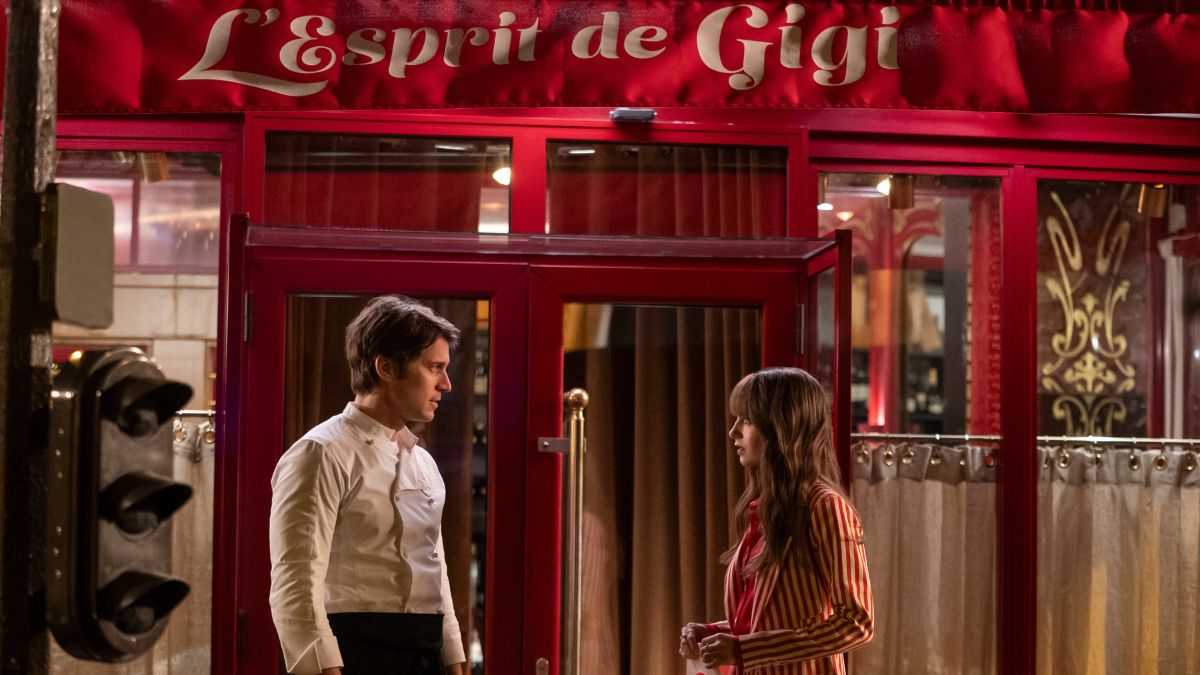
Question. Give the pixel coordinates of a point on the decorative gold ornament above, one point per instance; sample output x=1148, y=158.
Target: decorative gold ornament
x=1091, y=369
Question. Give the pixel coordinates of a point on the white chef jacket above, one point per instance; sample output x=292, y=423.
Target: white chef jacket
x=356, y=515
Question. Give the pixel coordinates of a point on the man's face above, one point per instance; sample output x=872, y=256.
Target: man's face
x=414, y=397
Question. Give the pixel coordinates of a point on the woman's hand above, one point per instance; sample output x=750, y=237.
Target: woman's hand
x=689, y=640
x=717, y=650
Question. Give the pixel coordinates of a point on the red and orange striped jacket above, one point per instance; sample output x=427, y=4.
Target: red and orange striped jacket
x=804, y=623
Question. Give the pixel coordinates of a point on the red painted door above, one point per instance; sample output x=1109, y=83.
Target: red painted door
x=532, y=309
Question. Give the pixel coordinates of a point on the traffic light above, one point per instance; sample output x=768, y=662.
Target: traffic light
x=109, y=588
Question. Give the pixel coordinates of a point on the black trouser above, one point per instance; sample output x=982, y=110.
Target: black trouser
x=379, y=643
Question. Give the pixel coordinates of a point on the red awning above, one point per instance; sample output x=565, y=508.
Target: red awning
x=221, y=55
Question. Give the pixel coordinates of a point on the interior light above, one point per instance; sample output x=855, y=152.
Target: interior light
x=885, y=186
x=824, y=206
x=581, y=151
x=76, y=355
x=503, y=175
x=844, y=215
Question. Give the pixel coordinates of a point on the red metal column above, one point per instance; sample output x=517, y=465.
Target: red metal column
x=1016, y=494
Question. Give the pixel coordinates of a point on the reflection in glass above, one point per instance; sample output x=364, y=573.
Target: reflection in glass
x=661, y=477
x=925, y=301
x=166, y=212
x=387, y=182
x=1118, y=348
x=317, y=386
x=665, y=190
x=167, y=205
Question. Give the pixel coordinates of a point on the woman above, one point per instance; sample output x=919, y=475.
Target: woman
x=797, y=594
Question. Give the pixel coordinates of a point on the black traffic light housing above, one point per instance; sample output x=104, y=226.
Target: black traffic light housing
x=108, y=585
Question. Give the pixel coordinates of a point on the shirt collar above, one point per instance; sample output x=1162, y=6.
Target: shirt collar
x=402, y=437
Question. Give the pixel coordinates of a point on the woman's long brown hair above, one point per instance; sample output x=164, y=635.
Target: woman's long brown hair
x=790, y=410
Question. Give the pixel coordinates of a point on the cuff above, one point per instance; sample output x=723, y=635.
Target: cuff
x=452, y=646
x=322, y=653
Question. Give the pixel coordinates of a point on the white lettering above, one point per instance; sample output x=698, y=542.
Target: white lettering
x=789, y=41
x=454, y=43
x=635, y=42
x=503, y=44
x=887, y=39
x=854, y=58
x=402, y=46
x=581, y=44
x=317, y=59
x=708, y=41
x=218, y=44
x=365, y=42
x=527, y=40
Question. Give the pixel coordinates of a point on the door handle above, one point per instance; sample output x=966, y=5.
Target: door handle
x=575, y=401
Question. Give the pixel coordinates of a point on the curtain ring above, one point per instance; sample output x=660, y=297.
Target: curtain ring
x=1135, y=460
x=908, y=456
x=1064, y=458
x=1097, y=456
x=1161, y=461
x=889, y=456
x=1047, y=459
x=1189, y=464
x=935, y=456
x=989, y=458
x=179, y=430
x=864, y=454
x=208, y=432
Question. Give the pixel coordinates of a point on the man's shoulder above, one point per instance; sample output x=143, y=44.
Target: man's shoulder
x=329, y=436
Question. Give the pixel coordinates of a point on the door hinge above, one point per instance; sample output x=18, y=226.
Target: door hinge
x=800, y=329
x=247, y=316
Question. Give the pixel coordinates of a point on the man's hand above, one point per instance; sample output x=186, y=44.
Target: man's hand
x=458, y=669
x=689, y=640
x=717, y=650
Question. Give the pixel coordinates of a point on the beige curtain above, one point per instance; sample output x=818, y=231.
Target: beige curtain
x=185, y=647
x=661, y=479
x=1119, y=562
x=929, y=525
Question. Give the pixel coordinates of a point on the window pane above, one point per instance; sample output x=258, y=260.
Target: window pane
x=387, y=182
x=925, y=336
x=665, y=190
x=166, y=205
x=1118, y=353
x=658, y=488
x=173, y=317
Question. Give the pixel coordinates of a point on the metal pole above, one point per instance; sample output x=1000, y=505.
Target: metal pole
x=30, y=90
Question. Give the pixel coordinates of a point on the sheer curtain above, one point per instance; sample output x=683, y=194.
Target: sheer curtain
x=1119, y=554
x=1118, y=549
x=929, y=526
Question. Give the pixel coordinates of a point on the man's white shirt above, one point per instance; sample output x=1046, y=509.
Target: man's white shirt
x=356, y=514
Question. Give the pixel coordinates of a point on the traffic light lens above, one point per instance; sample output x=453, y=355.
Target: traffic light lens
x=140, y=405
x=137, y=501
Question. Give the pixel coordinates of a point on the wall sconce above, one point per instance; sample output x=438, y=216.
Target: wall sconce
x=503, y=175
x=1152, y=200
x=900, y=196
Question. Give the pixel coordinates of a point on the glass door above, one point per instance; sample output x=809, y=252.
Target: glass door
x=657, y=330
x=641, y=509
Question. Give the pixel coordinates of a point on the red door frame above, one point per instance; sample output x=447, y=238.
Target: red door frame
x=523, y=497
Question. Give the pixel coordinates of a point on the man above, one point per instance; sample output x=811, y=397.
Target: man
x=358, y=580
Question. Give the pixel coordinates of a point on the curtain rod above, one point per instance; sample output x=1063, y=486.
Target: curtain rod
x=991, y=438
x=196, y=413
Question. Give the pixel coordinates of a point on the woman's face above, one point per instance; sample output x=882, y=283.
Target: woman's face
x=748, y=442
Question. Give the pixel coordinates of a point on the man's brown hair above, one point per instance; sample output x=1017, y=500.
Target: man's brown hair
x=396, y=327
